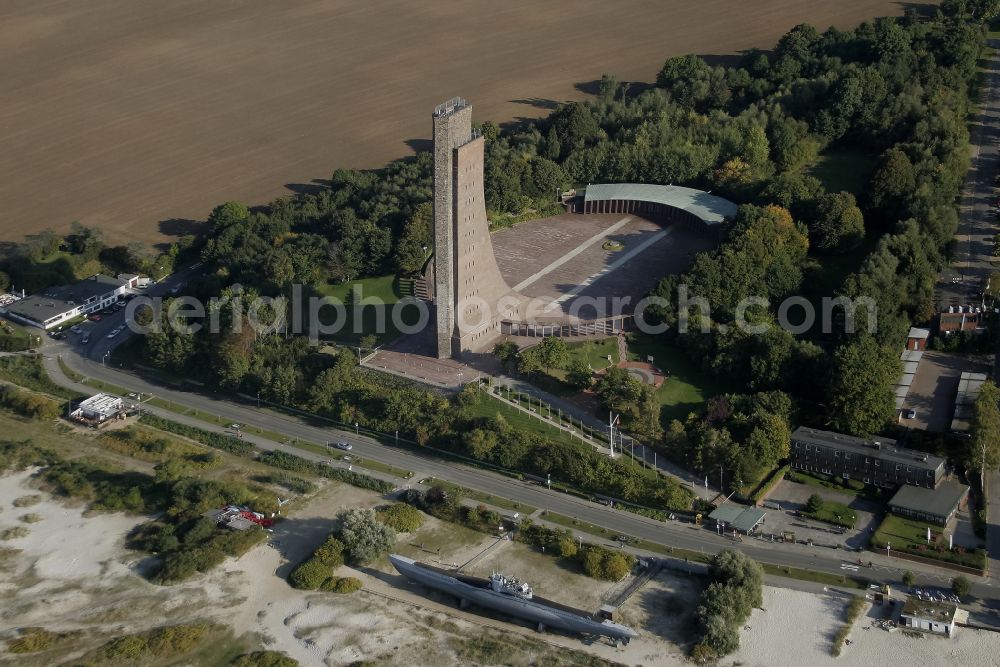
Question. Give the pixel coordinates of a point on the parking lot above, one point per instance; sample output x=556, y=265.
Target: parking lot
x=791, y=497
x=932, y=394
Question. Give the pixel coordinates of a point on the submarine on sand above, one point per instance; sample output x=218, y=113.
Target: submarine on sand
x=510, y=597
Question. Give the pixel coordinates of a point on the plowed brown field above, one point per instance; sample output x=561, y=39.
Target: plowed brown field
x=139, y=116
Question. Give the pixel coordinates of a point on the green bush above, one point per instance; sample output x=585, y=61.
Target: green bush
x=264, y=659
x=341, y=585
x=401, y=517
x=15, y=533
x=852, y=612
x=768, y=484
x=27, y=501
x=32, y=640
x=347, y=585
x=814, y=504
x=601, y=563
x=159, y=644
x=309, y=575
x=330, y=553
x=24, y=454
x=364, y=537
x=29, y=404
x=567, y=547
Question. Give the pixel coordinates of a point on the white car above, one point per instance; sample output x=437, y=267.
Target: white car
x=113, y=333
x=346, y=446
x=910, y=414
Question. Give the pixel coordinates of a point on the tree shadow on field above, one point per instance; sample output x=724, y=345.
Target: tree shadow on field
x=538, y=102
x=181, y=226
x=420, y=145
x=921, y=8
x=313, y=187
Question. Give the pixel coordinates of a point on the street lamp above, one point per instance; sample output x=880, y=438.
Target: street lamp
x=356, y=432
x=104, y=359
x=548, y=480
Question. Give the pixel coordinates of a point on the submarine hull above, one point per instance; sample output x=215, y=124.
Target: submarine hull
x=538, y=613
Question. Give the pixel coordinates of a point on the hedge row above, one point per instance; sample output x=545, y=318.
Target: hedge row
x=768, y=484
x=226, y=443
x=294, y=463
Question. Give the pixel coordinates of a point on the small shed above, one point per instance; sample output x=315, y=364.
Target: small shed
x=916, y=339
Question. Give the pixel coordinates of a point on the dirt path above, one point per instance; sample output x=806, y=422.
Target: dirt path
x=140, y=118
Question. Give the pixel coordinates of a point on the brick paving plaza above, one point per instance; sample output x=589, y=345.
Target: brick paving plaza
x=563, y=257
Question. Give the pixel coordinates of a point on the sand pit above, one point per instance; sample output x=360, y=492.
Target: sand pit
x=140, y=117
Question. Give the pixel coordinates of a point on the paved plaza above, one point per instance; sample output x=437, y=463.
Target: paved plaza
x=563, y=258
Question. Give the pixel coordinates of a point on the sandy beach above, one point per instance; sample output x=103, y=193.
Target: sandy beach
x=797, y=629
x=72, y=572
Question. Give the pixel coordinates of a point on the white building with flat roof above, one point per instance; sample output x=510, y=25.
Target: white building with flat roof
x=99, y=408
x=55, y=305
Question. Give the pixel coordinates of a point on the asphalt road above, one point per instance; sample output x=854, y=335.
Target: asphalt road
x=979, y=221
x=428, y=464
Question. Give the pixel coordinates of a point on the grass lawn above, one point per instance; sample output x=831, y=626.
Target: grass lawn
x=910, y=535
x=844, y=169
x=594, y=352
x=837, y=514
x=488, y=406
x=899, y=532
x=382, y=288
x=810, y=575
x=687, y=388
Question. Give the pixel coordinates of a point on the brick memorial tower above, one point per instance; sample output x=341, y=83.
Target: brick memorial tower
x=471, y=297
